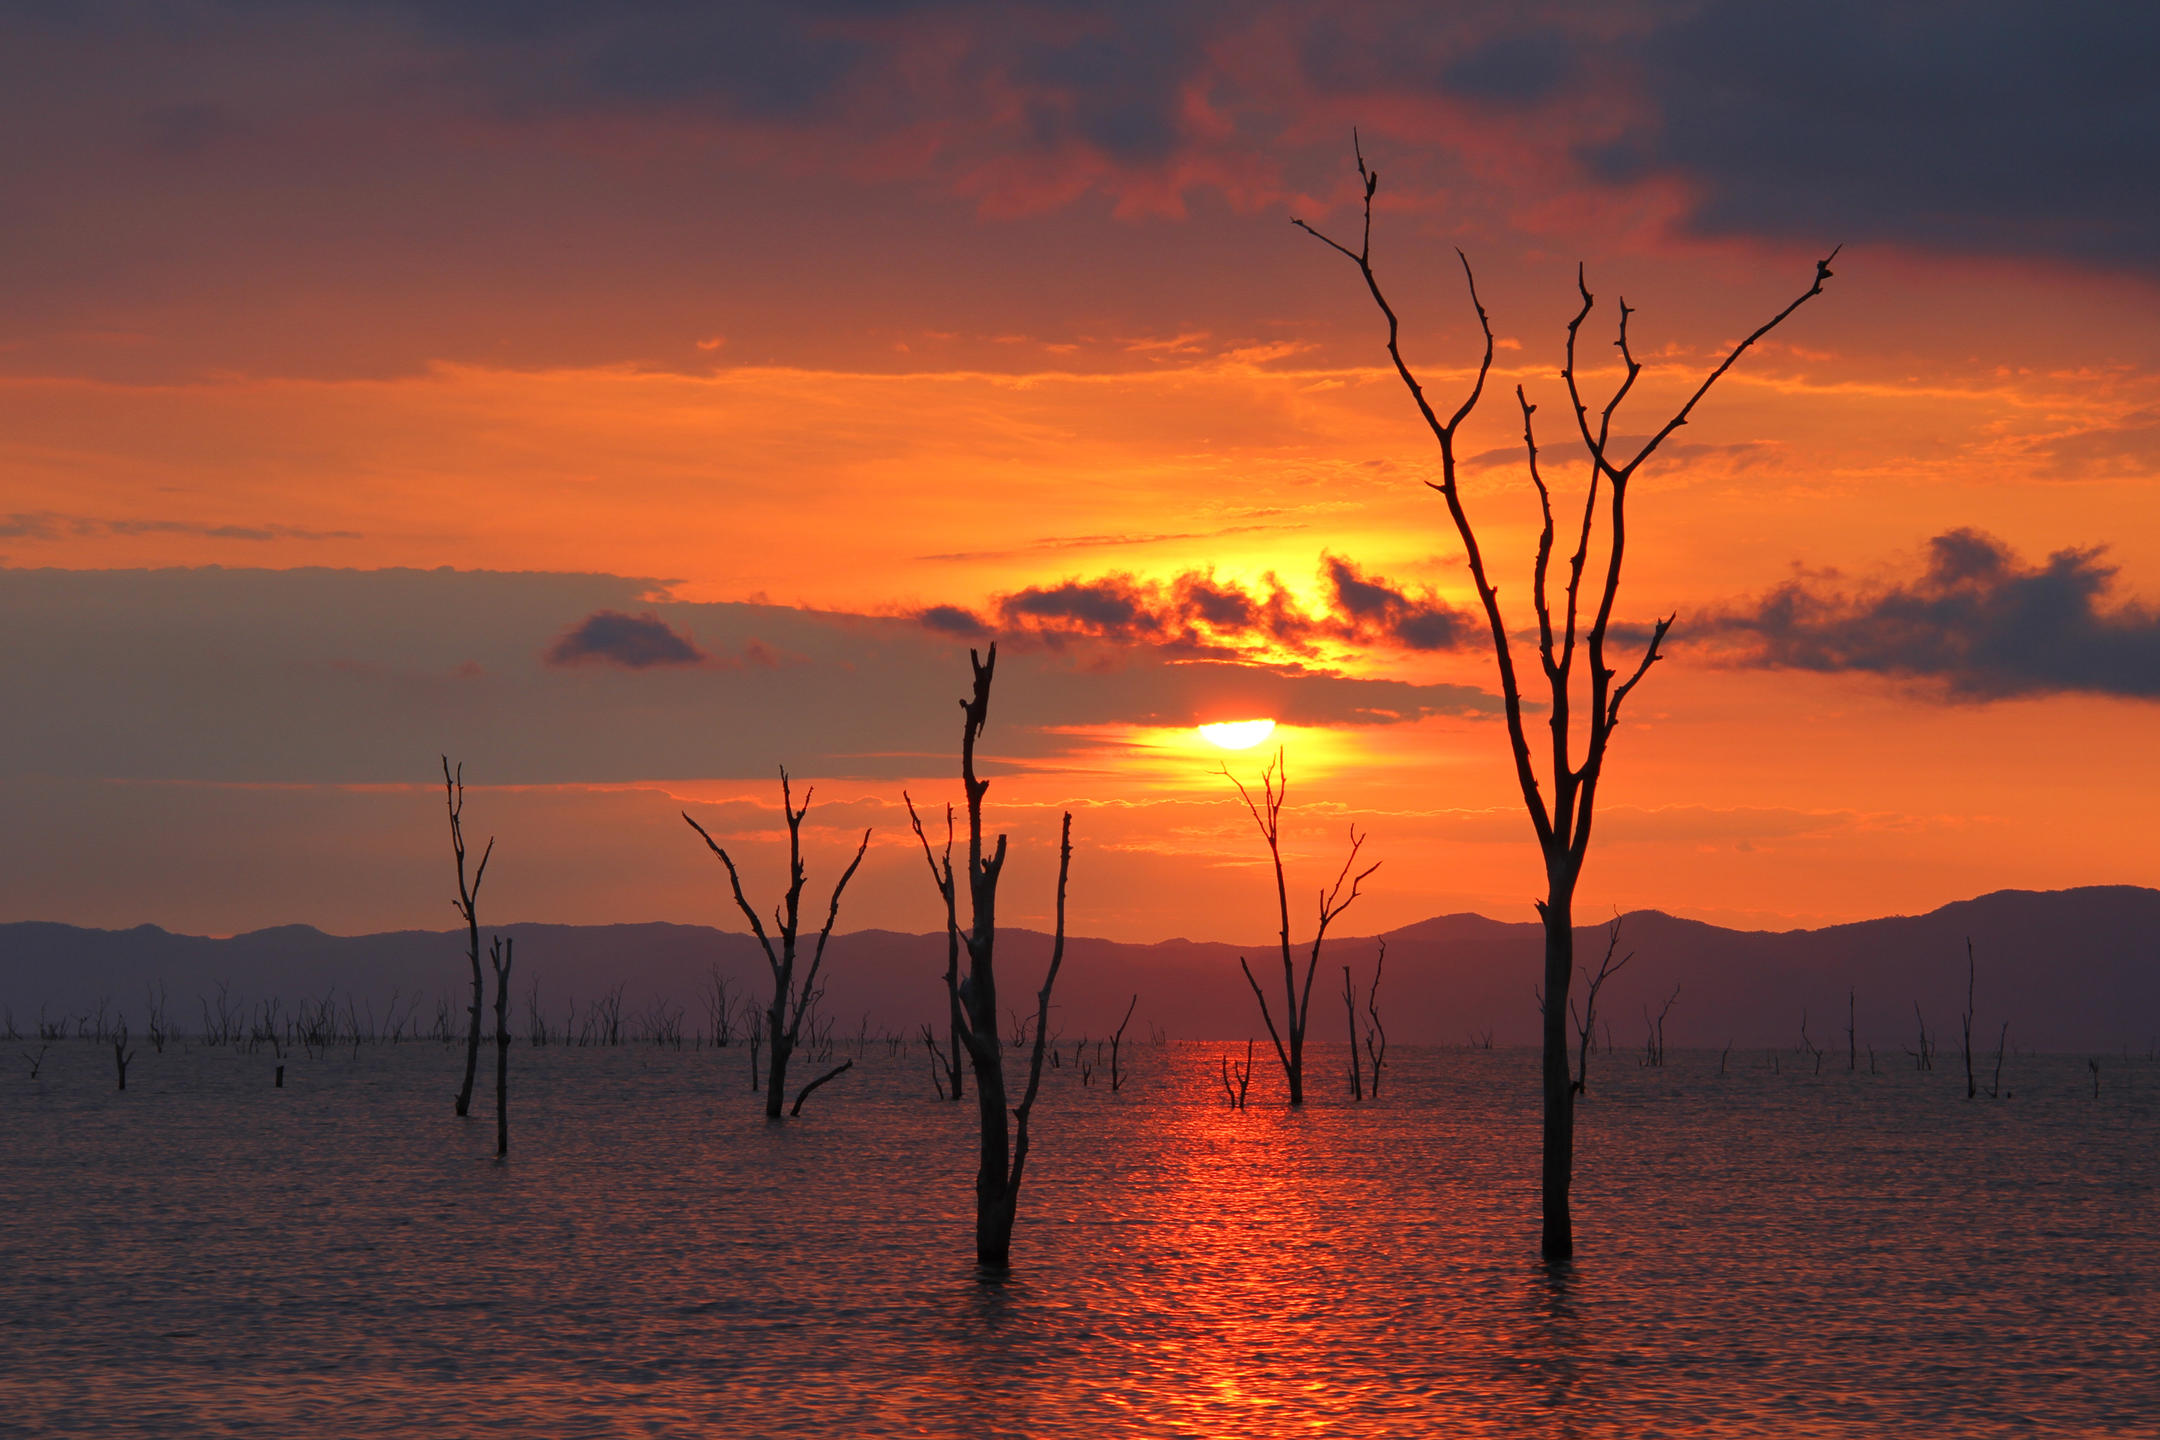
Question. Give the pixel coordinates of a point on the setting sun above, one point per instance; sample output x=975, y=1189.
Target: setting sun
x=1237, y=734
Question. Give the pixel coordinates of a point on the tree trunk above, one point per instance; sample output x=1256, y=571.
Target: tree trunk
x=1559, y=1166
x=994, y=1198
x=472, y=1035
x=776, y=1070
x=502, y=962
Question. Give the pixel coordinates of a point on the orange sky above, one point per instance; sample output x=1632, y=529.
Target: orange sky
x=722, y=360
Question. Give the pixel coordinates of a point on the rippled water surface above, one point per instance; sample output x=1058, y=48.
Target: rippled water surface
x=1761, y=1253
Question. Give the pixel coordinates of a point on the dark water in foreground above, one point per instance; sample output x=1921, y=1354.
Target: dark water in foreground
x=1761, y=1254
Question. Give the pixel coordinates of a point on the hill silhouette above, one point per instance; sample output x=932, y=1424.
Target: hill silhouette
x=2069, y=969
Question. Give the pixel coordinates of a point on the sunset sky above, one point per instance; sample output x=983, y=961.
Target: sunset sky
x=629, y=400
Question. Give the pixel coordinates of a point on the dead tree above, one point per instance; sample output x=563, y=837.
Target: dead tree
x=791, y=1000
x=1297, y=999
x=499, y=957
x=1586, y=1023
x=1808, y=1045
x=1970, y=974
x=468, y=898
x=120, y=1053
x=2002, y=1042
x=1117, y=1042
x=1349, y=1005
x=1375, y=1032
x=719, y=1008
x=1562, y=821
x=1005, y=1135
x=941, y=875
x=1852, y=1042
x=1924, y=1057
x=1654, y=1032
x=159, y=1027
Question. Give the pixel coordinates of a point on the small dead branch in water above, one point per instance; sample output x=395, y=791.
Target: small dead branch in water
x=1117, y=1042
x=1236, y=1093
x=833, y=1074
x=1995, y=1090
x=1654, y=1038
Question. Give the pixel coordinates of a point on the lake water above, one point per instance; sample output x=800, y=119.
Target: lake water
x=1760, y=1253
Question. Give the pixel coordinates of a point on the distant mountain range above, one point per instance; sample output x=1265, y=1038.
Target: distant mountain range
x=2069, y=969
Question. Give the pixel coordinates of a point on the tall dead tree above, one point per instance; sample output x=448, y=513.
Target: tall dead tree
x=1005, y=1135
x=1562, y=821
x=1289, y=1038
x=792, y=998
x=941, y=875
x=499, y=957
x=468, y=898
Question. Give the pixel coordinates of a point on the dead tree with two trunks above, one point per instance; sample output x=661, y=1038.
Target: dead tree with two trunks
x=1289, y=1038
x=468, y=899
x=1004, y=1127
x=794, y=996
x=1574, y=628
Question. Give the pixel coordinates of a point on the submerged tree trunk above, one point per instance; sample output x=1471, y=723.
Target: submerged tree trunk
x=499, y=955
x=1558, y=1085
x=776, y=1062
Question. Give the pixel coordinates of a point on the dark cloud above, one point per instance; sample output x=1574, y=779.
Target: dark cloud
x=1378, y=609
x=48, y=525
x=1979, y=623
x=1993, y=127
x=637, y=642
x=1197, y=614
x=952, y=620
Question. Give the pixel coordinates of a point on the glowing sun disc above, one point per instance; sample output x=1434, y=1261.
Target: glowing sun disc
x=1237, y=734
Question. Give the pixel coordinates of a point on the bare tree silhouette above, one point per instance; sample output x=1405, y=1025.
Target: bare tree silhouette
x=468, y=898
x=1297, y=999
x=1562, y=823
x=791, y=1000
x=1005, y=1134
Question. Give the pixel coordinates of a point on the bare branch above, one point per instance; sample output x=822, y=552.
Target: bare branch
x=757, y=926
